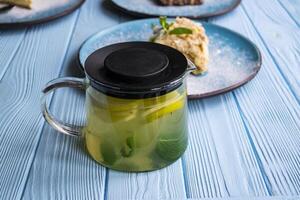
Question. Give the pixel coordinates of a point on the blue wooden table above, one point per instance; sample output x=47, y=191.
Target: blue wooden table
x=245, y=143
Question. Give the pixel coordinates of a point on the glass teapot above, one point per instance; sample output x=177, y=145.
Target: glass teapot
x=136, y=106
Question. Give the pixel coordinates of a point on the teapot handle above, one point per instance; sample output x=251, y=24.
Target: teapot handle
x=57, y=124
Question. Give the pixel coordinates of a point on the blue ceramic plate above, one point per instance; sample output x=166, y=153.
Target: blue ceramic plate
x=42, y=11
x=153, y=8
x=234, y=60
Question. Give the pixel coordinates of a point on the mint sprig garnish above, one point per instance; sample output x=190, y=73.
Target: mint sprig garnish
x=166, y=29
x=180, y=31
x=164, y=23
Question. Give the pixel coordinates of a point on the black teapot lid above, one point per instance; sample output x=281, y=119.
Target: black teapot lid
x=136, y=69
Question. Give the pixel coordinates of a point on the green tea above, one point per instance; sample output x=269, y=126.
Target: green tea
x=136, y=134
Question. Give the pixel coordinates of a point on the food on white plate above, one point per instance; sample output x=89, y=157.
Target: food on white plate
x=181, y=2
x=186, y=36
x=20, y=3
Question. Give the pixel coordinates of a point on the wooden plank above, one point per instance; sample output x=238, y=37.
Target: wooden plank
x=269, y=109
x=62, y=168
x=272, y=15
x=38, y=59
x=66, y=171
x=9, y=43
x=240, y=170
x=220, y=161
x=94, y=17
x=280, y=34
x=253, y=198
x=292, y=8
x=166, y=183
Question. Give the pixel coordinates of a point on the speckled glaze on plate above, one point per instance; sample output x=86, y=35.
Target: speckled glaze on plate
x=42, y=11
x=209, y=8
x=234, y=60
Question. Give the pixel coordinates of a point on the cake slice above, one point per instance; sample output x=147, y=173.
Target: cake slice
x=21, y=3
x=181, y=2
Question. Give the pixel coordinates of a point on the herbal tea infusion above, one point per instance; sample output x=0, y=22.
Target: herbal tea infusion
x=136, y=135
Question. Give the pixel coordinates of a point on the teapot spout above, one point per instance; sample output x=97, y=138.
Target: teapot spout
x=191, y=66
